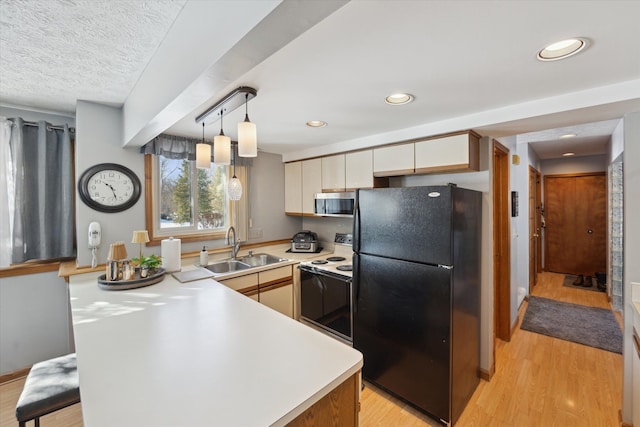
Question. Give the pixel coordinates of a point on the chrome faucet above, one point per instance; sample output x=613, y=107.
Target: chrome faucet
x=235, y=244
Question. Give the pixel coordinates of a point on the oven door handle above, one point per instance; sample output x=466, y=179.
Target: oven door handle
x=322, y=273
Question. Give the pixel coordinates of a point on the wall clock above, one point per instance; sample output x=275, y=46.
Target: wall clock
x=109, y=187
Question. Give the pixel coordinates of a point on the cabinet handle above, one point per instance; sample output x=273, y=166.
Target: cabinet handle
x=590, y=231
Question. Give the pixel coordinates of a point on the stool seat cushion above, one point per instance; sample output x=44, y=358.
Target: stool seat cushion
x=50, y=385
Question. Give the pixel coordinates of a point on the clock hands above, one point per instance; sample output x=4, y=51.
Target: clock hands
x=112, y=189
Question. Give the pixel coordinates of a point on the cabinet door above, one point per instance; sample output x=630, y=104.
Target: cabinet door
x=394, y=160
x=359, y=170
x=333, y=173
x=242, y=283
x=311, y=183
x=293, y=188
x=279, y=299
x=456, y=153
x=274, y=275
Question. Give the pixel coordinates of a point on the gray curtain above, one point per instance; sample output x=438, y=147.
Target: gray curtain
x=43, y=222
x=178, y=147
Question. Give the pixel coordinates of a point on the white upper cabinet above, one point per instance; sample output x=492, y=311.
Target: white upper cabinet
x=311, y=184
x=359, y=170
x=293, y=188
x=333, y=173
x=393, y=160
x=456, y=153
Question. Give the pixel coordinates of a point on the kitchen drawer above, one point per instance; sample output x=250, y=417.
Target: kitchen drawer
x=242, y=282
x=275, y=274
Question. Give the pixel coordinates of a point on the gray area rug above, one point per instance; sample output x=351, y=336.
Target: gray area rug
x=569, y=279
x=592, y=326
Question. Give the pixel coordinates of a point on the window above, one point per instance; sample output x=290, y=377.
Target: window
x=186, y=202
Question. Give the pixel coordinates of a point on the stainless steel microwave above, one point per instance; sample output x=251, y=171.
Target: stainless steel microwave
x=335, y=204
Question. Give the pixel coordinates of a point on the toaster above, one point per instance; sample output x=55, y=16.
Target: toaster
x=304, y=241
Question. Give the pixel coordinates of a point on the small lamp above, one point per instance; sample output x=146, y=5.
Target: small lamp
x=247, y=135
x=117, y=251
x=140, y=237
x=235, y=186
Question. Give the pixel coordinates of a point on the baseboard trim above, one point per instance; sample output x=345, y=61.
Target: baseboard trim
x=487, y=375
x=621, y=422
x=11, y=376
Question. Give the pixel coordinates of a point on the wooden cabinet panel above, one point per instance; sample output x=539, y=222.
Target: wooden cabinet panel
x=456, y=153
x=575, y=223
x=359, y=170
x=311, y=184
x=333, y=173
x=241, y=283
x=293, y=188
x=279, y=298
x=274, y=275
x=394, y=160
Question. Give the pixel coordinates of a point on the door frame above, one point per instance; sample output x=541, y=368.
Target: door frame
x=501, y=244
x=535, y=226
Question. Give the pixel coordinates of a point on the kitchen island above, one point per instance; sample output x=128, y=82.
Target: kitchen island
x=200, y=354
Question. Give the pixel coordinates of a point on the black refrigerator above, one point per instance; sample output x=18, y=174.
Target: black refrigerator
x=416, y=294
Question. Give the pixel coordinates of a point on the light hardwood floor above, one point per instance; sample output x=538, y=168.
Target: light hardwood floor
x=539, y=381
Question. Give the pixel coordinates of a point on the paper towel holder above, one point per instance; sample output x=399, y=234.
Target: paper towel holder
x=171, y=255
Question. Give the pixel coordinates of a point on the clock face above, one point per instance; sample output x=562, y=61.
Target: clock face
x=109, y=187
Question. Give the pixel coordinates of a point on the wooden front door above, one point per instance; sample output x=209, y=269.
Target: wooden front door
x=575, y=223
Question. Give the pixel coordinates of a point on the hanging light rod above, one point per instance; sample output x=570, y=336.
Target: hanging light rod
x=230, y=102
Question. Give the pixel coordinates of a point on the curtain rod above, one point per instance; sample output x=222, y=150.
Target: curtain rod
x=49, y=127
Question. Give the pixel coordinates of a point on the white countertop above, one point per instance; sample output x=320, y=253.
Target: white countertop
x=196, y=354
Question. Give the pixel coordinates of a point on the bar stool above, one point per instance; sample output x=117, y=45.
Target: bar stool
x=51, y=385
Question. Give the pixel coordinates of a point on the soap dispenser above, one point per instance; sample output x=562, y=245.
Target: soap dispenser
x=204, y=256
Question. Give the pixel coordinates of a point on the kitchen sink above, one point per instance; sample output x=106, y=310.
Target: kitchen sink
x=258, y=260
x=227, y=266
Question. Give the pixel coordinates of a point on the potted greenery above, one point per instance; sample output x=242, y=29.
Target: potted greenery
x=148, y=264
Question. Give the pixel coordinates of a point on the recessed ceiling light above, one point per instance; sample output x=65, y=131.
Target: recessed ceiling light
x=316, y=124
x=568, y=154
x=568, y=135
x=398, y=99
x=562, y=49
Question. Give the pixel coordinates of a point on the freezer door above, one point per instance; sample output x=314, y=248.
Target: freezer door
x=412, y=223
x=401, y=325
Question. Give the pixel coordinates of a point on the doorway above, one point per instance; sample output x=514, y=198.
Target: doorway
x=501, y=244
x=535, y=227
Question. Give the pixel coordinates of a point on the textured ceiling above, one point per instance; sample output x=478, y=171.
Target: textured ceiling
x=53, y=53
x=469, y=63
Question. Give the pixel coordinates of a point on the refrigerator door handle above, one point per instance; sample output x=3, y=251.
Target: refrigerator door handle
x=355, y=284
x=447, y=267
x=356, y=223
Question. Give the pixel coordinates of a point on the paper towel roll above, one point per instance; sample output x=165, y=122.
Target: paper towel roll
x=171, y=254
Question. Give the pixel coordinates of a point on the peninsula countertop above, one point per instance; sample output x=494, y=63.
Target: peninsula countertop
x=196, y=354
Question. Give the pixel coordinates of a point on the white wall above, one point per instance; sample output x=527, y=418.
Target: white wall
x=569, y=165
x=631, y=171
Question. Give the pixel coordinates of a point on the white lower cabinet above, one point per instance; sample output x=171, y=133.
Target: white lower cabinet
x=280, y=299
x=273, y=288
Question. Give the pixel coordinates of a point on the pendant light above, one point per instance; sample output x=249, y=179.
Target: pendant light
x=235, y=186
x=247, y=134
x=221, y=146
x=203, y=153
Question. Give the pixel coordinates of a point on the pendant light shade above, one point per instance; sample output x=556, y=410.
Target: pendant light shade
x=221, y=147
x=247, y=135
x=203, y=153
x=235, y=189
